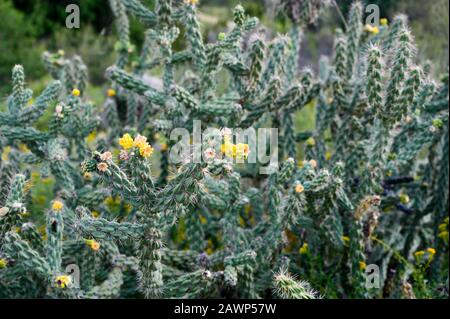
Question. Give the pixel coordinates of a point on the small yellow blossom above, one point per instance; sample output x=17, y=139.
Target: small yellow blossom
x=91, y=137
x=57, y=206
x=24, y=148
x=371, y=29
x=140, y=141
x=419, y=254
x=95, y=214
x=94, y=245
x=346, y=240
x=384, y=22
x=311, y=141
x=242, y=150
x=146, y=151
x=63, y=281
x=228, y=149
x=111, y=93
x=404, y=199
x=362, y=265
x=431, y=251
x=299, y=188
x=444, y=235
x=87, y=176
x=328, y=155
x=6, y=152
x=304, y=249
x=3, y=263
x=191, y=2
x=76, y=92
x=126, y=141
x=164, y=147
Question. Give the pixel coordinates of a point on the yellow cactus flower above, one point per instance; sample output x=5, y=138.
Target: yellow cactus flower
x=6, y=152
x=431, y=251
x=111, y=93
x=419, y=254
x=404, y=198
x=24, y=148
x=299, y=188
x=57, y=206
x=375, y=30
x=140, y=141
x=384, y=22
x=311, y=141
x=313, y=163
x=191, y=2
x=76, y=92
x=126, y=141
x=203, y=220
x=304, y=249
x=95, y=214
x=228, y=149
x=346, y=240
x=146, y=150
x=362, y=265
x=3, y=263
x=241, y=150
x=63, y=281
x=444, y=235
x=94, y=245
x=164, y=147
x=87, y=176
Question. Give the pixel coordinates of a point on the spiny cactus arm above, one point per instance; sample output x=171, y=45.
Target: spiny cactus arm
x=32, y=113
x=92, y=197
x=136, y=8
x=182, y=259
x=403, y=54
x=55, y=232
x=353, y=36
x=102, y=229
x=276, y=63
x=20, y=95
x=374, y=80
x=194, y=37
x=11, y=213
x=191, y=285
x=21, y=251
x=23, y=134
x=108, y=289
x=399, y=23
x=132, y=83
x=287, y=287
x=256, y=60
x=29, y=232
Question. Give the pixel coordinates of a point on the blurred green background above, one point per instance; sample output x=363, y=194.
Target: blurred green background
x=28, y=27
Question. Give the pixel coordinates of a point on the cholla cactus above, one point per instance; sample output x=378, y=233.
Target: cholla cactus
x=366, y=186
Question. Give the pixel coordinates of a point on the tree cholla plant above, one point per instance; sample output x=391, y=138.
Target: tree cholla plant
x=367, y=186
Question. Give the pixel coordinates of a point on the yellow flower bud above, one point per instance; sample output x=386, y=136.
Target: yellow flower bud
x=57, y=206
x=111, y=93
x=76, y=92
